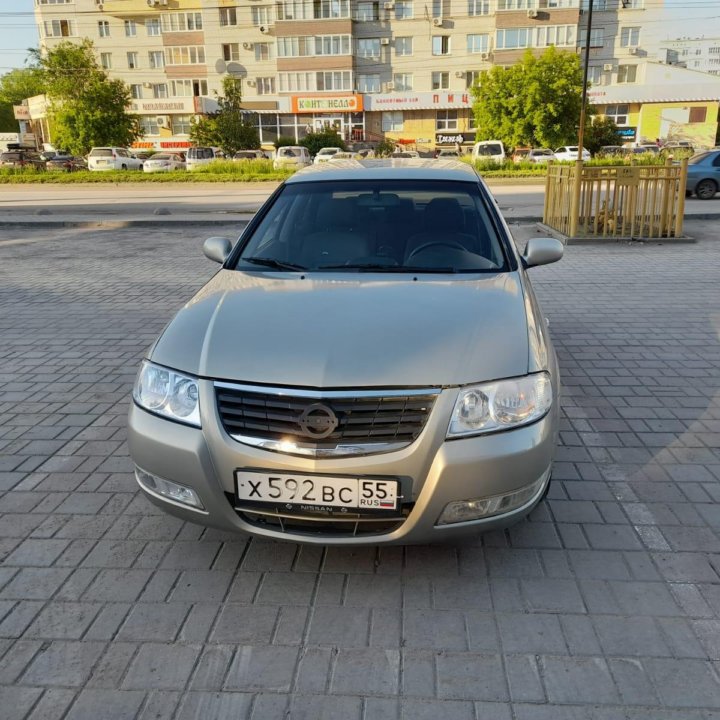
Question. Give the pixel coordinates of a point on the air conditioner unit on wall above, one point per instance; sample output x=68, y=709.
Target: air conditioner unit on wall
x=437, y=22
x=459, y=73
x=485, y=56
x=634, y=50
x=265, y=28
x=389, y=85
x=247, y=46
x=161, y=120
x=147, y=85
x=532, y=14
x=250, y=83
x=607, y=67
x=389, y=6
x=153, y=3
x=384, y=41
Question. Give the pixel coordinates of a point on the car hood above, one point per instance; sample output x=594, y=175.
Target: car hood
x=358, y=331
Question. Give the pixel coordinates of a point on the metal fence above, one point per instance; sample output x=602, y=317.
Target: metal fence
x=625, y=201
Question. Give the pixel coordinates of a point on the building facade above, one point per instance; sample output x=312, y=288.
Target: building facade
x=372, y=69
x=702, y=54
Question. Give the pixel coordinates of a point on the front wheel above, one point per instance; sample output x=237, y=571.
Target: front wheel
x=706, y=189
x=123, y=167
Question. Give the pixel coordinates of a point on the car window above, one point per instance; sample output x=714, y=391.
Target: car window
x=101, y=152
x=716, y=161
x=491, y=149
x=388, y=226
x=289, y=152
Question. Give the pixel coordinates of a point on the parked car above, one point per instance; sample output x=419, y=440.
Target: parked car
x=450, y=430
x=540, y=155
x=143, y=154
x=609, y=150
x=489, y=150
x=642, y=148
x=344, y=155
x=290, y=156
x=570, y=152
x=520, y=154
x=703, y=177
x=21, y=159
x=324, y=154
x=164, y=162
x=66, y=163
x=249, y=155
x=198, y=156
x=414, y=154
x=113, y=158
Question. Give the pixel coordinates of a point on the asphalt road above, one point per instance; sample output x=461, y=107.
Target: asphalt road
x=603, y=604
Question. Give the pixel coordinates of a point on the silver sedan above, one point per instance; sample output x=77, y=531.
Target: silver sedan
x=369, y=365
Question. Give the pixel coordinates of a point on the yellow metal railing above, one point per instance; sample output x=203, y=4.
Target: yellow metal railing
x=626, y=201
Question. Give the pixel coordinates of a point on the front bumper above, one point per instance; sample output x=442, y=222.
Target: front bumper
x=433, y=473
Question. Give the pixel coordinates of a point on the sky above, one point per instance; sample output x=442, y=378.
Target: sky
x=684, y=18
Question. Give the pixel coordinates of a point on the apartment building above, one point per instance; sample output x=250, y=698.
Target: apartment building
x=400, y=69
x=701, y=54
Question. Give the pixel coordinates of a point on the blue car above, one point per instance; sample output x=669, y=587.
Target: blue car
x=704, y=175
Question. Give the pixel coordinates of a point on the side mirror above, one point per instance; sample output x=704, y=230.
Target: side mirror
x=217, y=248
x=541, y=251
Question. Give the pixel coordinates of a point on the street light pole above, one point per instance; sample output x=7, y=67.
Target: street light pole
x=577, y=180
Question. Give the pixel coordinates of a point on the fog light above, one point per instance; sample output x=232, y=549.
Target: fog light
x=464, y=510
x=168, y=490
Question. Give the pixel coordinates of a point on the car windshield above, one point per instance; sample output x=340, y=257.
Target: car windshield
x=289, y=152
x=492, y=149
x=376, y=226
x=542, y=152
x=101, y=152
x=328, y=151
x=163, y=156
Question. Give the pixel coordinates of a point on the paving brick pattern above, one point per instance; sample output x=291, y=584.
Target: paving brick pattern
x=605, y=604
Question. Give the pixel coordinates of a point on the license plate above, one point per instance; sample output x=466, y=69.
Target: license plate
x=316, y=492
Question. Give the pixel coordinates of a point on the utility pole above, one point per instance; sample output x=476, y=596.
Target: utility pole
x=577, y=180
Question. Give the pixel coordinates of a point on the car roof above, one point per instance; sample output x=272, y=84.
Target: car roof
x=387, y=169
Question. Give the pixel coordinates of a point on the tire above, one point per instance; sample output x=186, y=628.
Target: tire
x=706, y=189
x=123, y=167
x=140, y=167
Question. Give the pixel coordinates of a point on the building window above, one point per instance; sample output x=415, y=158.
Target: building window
x=597, y=5
x=630, y=37
x=478, y=43
x=231, y=52
x=516, y=4
x=152, y=25
x=263, y=51
x=510, y=39
x=130, y=28
x=697, y=114
x=392, y=121
x=441, y=45
x=595, y=73
x=53, y=2
x=181, y=22
x=188, y=88
x=627, y=73
x=618, y=113
x=103, y=28
x=320, y=81
x=132, y=61
x=190, y=55
x=265, y=85
x=136, y=92
x=478, y=7
x=368, y=47
x=181, y=124
x=632, y=4
x=403, y=46
x=368, y=11
x=262, y=15
x=597, y=37
x=328, y=9
x=228, y=16
x=446, y=120
x=159, y=90
x=149, y=125
x=106, y=61
x=471, y=78
x=403, y=10
x=308, y=46
x=440, y=80
x=156, y=59
x=368, y=83
x=59, y=28
x=403, y=82
x=560, y=35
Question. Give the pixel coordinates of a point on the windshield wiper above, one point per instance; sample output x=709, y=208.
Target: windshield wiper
x=377, y=267
x=273, y=263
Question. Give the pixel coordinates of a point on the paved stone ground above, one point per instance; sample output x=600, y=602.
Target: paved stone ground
x=604, y=605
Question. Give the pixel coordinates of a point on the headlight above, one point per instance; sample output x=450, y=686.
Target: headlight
x=501, y=405
x=167, y=393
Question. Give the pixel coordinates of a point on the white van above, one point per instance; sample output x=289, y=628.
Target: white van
x=292, y=156
x=197, y=156
x=489, y=150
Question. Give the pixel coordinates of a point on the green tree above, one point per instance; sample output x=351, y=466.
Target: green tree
x=87, y=108
x=230, y=127
x=16, y=86
x=314, y=141
x=534, y=102
x=600, y=131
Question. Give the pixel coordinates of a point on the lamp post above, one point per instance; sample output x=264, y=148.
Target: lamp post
x=575, y=201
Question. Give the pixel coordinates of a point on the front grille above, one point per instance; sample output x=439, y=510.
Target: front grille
x=387, y=418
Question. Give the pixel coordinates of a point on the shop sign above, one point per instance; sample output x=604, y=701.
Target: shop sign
x=21, y=112
x=418, y=101
x=174, y=144
x=327, y=104
x=37, y=105
x=447, y=138
x=628, y=134
x=184, y=105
